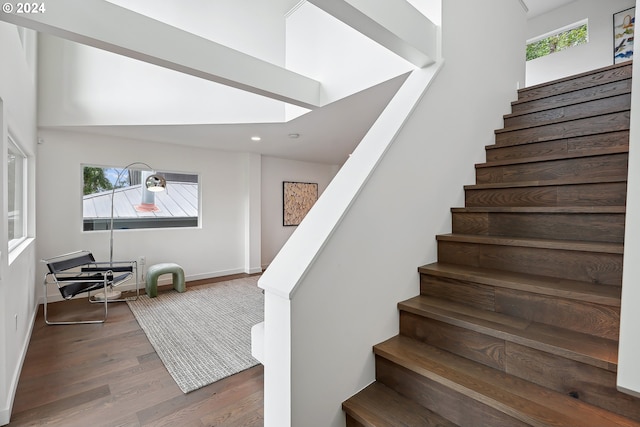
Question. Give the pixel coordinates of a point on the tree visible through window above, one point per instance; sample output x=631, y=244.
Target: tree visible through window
x=557, y=42
x=133, y=205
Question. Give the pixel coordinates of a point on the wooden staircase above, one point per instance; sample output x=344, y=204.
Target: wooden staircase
x=517, y=323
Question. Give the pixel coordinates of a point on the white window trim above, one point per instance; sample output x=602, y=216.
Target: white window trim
x=561, y=30
x=14, y=244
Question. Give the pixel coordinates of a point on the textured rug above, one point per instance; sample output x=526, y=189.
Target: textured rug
x=203, y=334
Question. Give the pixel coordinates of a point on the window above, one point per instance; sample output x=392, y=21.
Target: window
x=16, y=190
x=561, y=39
x=133, y=205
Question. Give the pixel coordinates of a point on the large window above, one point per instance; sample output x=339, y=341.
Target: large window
x=16, y=190
x=133, y=205
x=561, y=39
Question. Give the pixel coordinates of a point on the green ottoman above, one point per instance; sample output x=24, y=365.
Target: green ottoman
x=157, y=270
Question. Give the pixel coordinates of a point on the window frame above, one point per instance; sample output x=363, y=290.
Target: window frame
x=91, y=224
x=12, y=145
x=565, y=29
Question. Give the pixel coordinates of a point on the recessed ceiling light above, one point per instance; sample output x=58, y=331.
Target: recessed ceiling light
x=294, y=135
x=255, y=138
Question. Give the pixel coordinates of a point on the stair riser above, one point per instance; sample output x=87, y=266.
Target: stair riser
x=579, y=316
x=581, y=127
x=590, y=144
x=585, y=81
x=592, y=385
x=571, y=112
x=593, y=319
x=480, y=348
x=609, y=166
x=598, y=268
x=561, y=226
x=605, y=90
x=604, y=194
x=441, y=399
x=352, y=423
x=460, y=291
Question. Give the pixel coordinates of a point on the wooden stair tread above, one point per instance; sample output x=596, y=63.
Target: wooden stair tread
x=578, y=109
x=563, y=288
x=565, y=82
x=621, y=87
x=545, y=183
x=559, y=120
x=550, y=158
x=595, y=351
x=570, y=245
x=379, y=406
x=520, y=399
x=544, y=209
x=522, y=144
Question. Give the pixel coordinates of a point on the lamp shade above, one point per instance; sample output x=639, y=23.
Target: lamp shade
x=155, y=183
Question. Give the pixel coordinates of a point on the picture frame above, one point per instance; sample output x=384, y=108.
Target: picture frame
x=297, y=199
x=623, y=35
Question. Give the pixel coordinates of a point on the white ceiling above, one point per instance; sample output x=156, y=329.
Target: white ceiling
x=326, y=135
x=538, y=7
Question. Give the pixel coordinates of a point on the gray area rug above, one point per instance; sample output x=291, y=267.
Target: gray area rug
x=204, y=334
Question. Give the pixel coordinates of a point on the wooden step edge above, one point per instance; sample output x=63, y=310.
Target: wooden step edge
x=541, y=285
x=595, y=351
x=522, y=144
x=524, y=90
x=544, y=209
x=527, y=126
x=555, y=157
x=378, y=405
x=530, y=403
x=567, y=245
x=581, y=100
x=547, y=183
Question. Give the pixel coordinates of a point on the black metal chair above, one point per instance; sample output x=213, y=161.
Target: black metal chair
x=78, y=272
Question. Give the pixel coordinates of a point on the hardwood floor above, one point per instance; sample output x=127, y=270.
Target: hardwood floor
x=110, y=375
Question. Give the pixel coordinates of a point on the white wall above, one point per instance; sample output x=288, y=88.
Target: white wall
x=87, y=86
x=597, y=53
x=629, y=351
x=17, y=280
x=274, y=172
x=344, y=301
x=216, y=248
x=323, y=48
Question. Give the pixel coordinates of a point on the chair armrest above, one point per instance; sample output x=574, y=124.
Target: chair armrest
x=114, y=269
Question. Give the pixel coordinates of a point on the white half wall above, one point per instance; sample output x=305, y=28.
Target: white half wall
x=597, y=53
x=326, y=315
x=274, y=172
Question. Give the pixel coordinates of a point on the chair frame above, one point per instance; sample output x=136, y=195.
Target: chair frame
x=80, y=272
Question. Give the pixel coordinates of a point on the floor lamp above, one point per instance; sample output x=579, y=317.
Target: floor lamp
x=154, y=183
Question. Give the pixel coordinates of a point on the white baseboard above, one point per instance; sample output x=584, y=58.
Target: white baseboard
x=165, y=279
x=5, y=413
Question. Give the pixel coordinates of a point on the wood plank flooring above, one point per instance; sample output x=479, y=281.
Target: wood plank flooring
x=110, y=375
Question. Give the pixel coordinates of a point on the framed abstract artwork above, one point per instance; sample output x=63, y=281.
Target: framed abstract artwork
x=623, y=32
x=297, y=198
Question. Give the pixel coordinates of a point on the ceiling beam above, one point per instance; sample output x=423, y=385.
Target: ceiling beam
x=106, y=26
x=394, y=24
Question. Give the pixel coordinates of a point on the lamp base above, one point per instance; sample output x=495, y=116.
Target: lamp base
x=111, y=295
